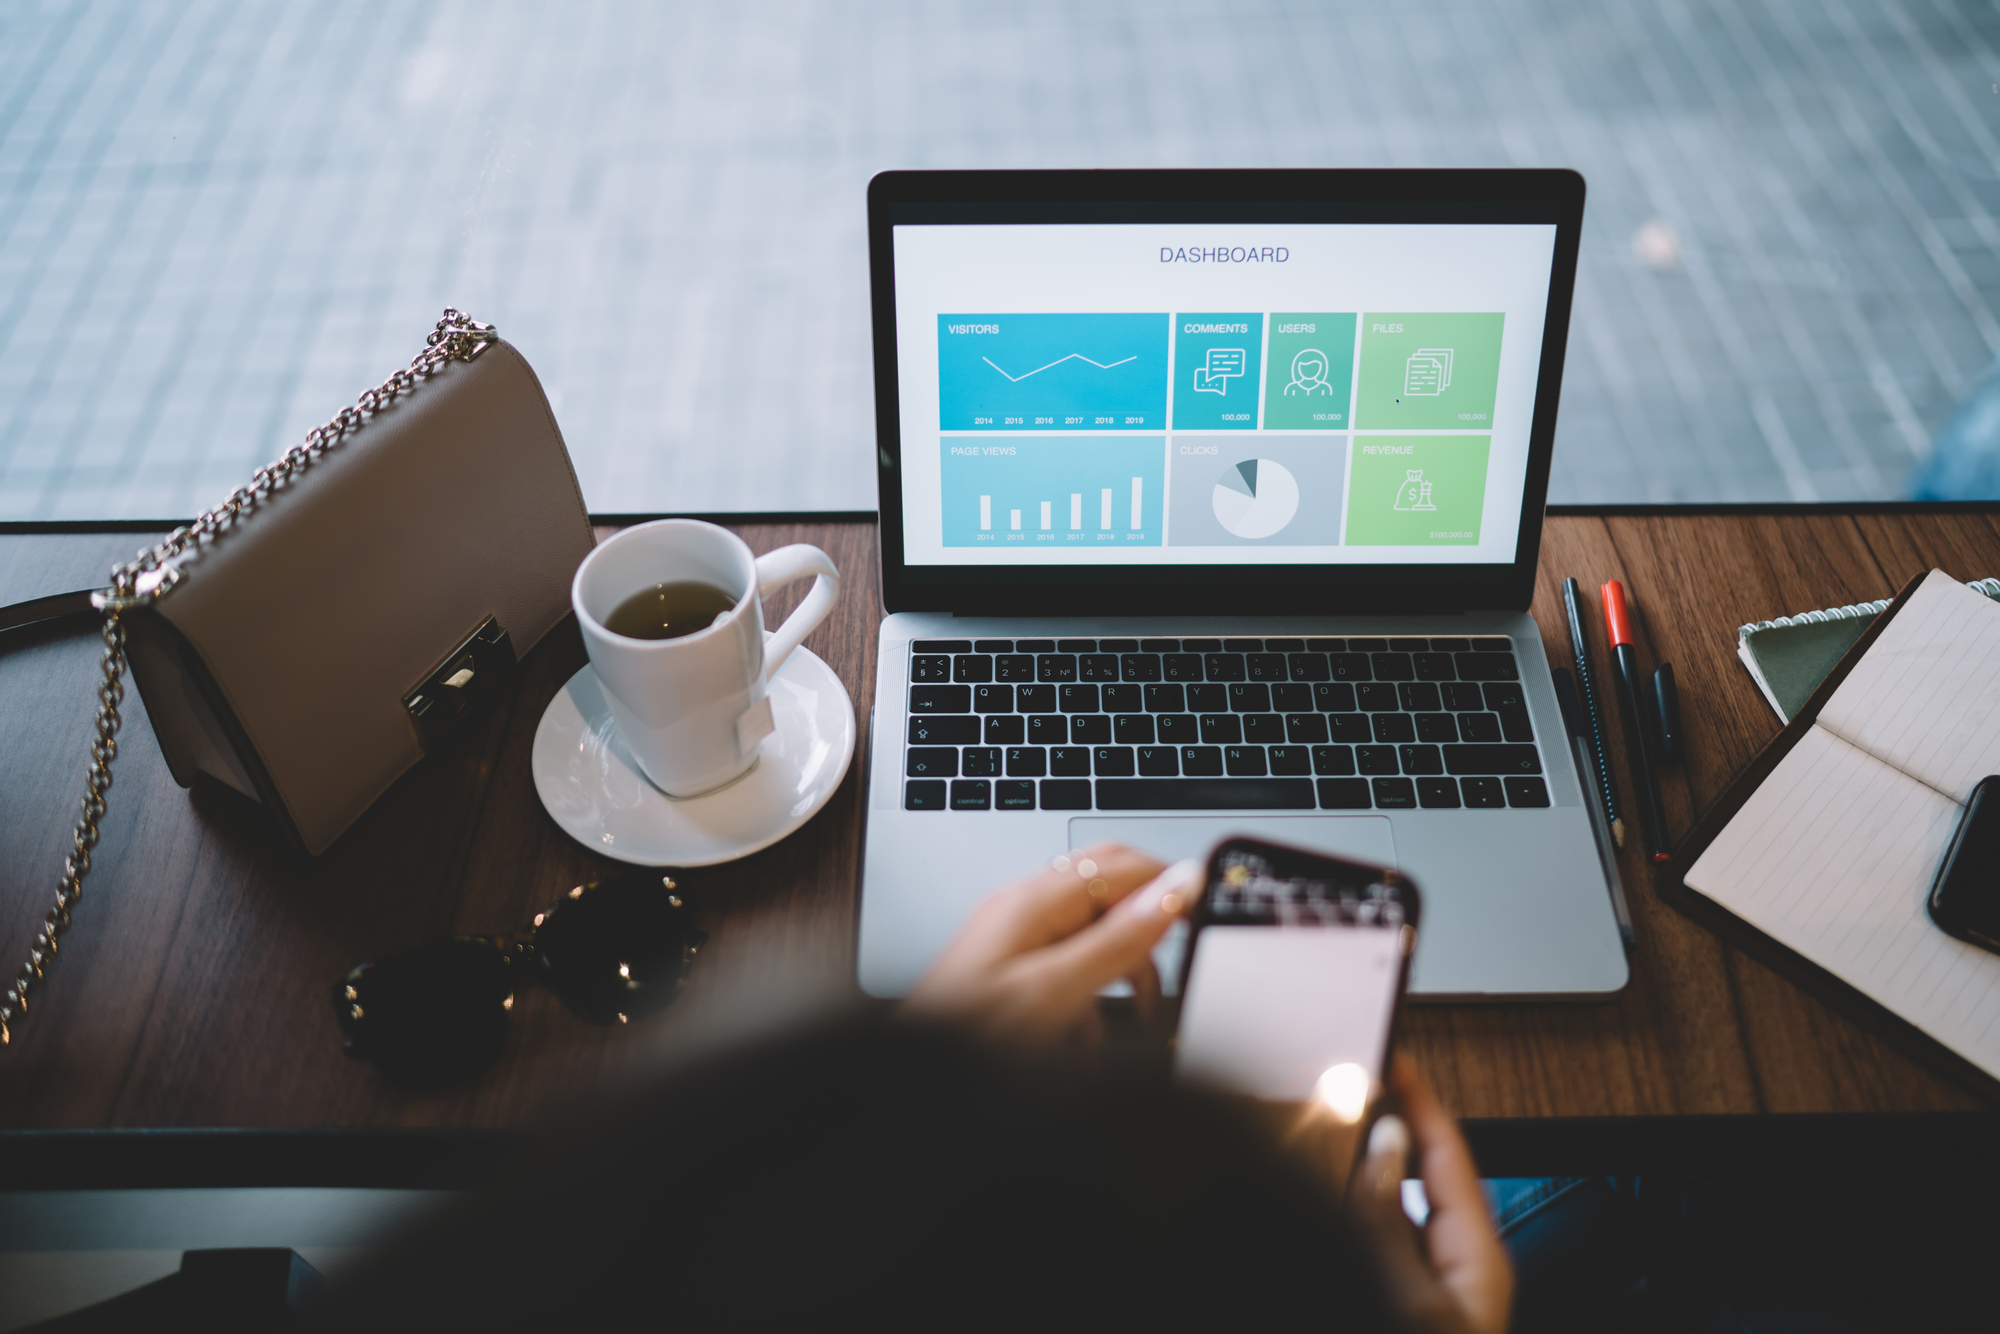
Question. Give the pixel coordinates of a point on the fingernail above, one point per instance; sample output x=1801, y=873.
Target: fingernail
x=1169, y=891
x=1392, y=1137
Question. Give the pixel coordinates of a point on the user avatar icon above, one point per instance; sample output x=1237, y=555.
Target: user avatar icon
x=1309, y=369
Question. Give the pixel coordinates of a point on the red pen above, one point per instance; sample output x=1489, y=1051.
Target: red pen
x=1618, y=620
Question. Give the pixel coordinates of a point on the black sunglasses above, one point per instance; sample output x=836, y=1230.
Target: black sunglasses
x=612, y=950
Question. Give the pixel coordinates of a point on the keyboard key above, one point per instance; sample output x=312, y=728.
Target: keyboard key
x=1333, y=761
x=928, y=795
x=1266, y=666
x=1066, y=794
x=1139, y=666
x=1178, y=729
x=1069, y=762
x=1420, y=759
x=1393, y=728
x=1097, y=667
x=1007, y=729
x=1132, y=729
x=1441, y=793
x=1493, y=645
x=992, y=646
x=1117, y=646
x=1159, y=761
x=1308, y=667
x=1508, y=701
x=1295, y=697
x=1243, y=761
x=1392, y=666
x=930, y=667
x=1326, y=645
x=1375, y=759
x=1305, y=727
x=1478, y=727
x=1343, y=794
x=951, y=730
x=1395, y=794
x=1451, y=646
x=1124, y=699
x=971, y=668
x=1242, y=646
x=1223, y=666
x=980, y=762
x=931, y=762
x=1034, y=646
x=940, y=699
x=1254, y=697
x=1201, y=646
x=1419, y=697
x=1201, y=761
x=1055, y=668
x=1378, y=697
x=1208, y=699
x=1181, y=667
x=971, y=794
x=1166, y=699
x=1027, y=762
x=1350, y=728
x=1437, y=728
x=1436, y=667
x=1112, y=761
x=941, y=646
x=1289, y=760
x=1349, y=666
x=1263, y=729
x=1090, y=729
x=1486, y=666
x=1014, y=667
x=1484, y=793
x=1460, y=696
x=1367, y=646
x=1048, y=729
x=1076, y=646
x=1526, y=792
x=1077, y=699
x=1035, y=699
x=1492, y=760
x=1334, y=697
x=1220, y=729
x=1197, y=794
x=992, y=699
x=1014, y=796
x=1159, y=646
x=1408, y=645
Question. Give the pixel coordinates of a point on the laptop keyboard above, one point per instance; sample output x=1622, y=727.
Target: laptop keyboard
x=1217, y=724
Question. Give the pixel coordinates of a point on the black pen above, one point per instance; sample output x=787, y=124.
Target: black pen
x=1579, y=740
x=1618, y=622
x=1593, y=716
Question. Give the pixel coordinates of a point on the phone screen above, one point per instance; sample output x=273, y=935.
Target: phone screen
x=1295, y=970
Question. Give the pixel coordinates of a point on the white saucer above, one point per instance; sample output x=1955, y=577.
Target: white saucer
x=594, y=789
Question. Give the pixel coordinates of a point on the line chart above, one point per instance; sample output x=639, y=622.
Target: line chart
x=1074, y=356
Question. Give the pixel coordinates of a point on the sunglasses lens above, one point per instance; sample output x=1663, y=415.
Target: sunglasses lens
x=432, y=1015
x=618, y=950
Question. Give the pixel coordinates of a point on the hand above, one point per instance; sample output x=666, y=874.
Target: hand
x=1027, y=965
x=1465, y=1283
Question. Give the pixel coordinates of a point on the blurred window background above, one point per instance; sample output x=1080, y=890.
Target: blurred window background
x=218, y=222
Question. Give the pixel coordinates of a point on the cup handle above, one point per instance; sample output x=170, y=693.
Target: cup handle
x=777, y=568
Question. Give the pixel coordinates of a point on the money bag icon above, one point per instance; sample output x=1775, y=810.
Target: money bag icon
x=1415, y=492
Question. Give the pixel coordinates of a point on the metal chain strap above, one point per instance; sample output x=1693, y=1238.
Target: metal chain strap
x=149, y=577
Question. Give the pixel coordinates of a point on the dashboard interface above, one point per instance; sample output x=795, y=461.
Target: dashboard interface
x=1201, y=394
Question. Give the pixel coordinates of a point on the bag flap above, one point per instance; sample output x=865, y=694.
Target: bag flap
x=338, y=595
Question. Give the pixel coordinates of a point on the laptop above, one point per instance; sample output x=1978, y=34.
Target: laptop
x=1210, y=505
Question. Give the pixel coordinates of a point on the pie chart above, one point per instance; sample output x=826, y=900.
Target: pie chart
x=1256, y=498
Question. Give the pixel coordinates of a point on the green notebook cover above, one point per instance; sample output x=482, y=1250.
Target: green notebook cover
x=1790, y=656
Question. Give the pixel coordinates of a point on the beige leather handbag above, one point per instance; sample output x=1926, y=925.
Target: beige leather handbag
x=309, y=639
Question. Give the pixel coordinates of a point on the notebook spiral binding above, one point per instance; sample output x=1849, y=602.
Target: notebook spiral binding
x=1990, y=587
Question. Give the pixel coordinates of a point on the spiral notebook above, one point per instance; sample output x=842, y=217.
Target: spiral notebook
x=1788, y=657
x=1832, y=855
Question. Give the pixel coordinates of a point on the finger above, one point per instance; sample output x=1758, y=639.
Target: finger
x=1113, y=946
x=1145, y=980
x=1463, y=1244
x=1451, y=1179
x=1077, y=888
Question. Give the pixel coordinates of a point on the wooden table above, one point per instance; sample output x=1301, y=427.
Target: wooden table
x=193, y=990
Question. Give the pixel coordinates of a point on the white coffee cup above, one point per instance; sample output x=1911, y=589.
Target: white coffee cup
x=692, y=709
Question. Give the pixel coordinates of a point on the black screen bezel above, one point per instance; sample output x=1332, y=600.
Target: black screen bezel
x=986, y=197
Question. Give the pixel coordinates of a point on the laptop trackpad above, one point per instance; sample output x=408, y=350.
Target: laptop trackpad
x=1360, y=838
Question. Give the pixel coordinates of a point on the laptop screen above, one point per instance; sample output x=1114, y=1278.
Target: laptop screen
x=1106, y=394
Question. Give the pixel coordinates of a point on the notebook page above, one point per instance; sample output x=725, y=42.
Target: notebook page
x=1926, y=696
x=1833, y=856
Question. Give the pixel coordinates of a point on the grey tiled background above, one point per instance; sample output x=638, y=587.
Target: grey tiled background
x=219, y=221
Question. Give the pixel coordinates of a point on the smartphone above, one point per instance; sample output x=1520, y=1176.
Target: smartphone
x=1294, y=976
x=1965, y=898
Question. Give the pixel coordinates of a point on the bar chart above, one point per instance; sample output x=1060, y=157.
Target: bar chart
x=1043, y=491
